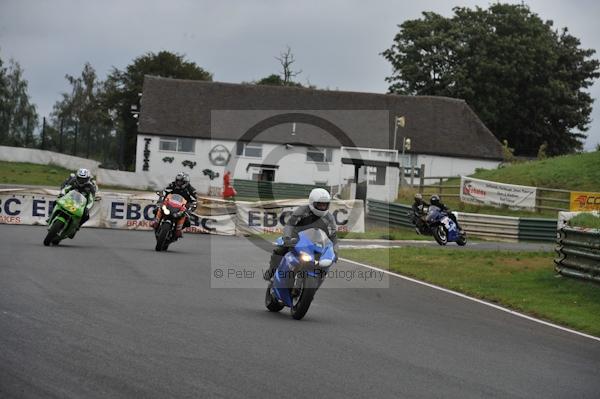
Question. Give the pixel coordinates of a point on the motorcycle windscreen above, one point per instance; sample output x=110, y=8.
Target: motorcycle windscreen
x=432, y=213
x=314, y=239
x=176, y=200
x=73, y=202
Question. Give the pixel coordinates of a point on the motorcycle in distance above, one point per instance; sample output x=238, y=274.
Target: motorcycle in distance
x=443, y=229
x=65, y=217
x=301, y=272
x=173, y=209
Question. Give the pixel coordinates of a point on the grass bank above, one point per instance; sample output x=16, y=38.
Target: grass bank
x=32, y=174
x=523, y=281
x=588, y=220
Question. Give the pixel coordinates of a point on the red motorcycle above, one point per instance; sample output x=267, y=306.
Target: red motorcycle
x=171, y=213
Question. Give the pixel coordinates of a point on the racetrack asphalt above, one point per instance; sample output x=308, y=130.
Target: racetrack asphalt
x=104, y=315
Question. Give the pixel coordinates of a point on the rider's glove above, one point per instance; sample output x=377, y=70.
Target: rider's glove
x=290, y=241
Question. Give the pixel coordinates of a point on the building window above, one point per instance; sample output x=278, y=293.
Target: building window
x=318, y=154
x=376, y=175
x=177, y=144
x=249, y=150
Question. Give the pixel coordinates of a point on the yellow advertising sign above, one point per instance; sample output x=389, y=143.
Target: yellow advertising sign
x=585, y=201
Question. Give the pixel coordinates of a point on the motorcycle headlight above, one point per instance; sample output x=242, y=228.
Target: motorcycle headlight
x=165, y=210
x=304, y=257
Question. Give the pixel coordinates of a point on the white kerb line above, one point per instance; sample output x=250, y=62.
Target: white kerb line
x=474, y=300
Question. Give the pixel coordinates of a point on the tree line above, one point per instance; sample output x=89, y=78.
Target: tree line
x=526, y=80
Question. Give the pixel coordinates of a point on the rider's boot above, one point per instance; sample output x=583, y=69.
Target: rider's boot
x=178, y=233
x=275, y=259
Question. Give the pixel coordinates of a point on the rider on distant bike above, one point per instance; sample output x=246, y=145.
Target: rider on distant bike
x=435, y=201
x=418, y=216
x=181, y=185
x=82, y=182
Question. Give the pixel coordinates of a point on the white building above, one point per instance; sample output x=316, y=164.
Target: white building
x=304, y=136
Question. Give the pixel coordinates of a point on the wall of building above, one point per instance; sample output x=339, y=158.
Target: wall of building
x=436, y=165
x=293, y=166
x=292, y=162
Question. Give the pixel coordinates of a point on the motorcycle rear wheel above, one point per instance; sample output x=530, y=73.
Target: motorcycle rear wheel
x=161, y=238
x=462, y=239
x=52, y=237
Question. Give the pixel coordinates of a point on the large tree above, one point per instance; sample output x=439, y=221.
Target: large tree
x=523, y=78
x=18, y=116
x=80, y=122
x=122, y=89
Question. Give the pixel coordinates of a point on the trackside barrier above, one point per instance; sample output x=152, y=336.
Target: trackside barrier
x=578, y=253
x=505, y=228
x=490, y=226
x=532, y=229
x=389, y=213
x=136, y=211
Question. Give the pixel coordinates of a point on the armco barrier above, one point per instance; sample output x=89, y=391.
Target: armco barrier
x=578, y=253
x=490, y=226
x=389, y=213
x=531, y=229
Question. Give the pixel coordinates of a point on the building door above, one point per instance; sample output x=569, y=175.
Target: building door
x=267, y=175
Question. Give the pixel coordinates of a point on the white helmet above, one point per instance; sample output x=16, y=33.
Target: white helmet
x=83, y=176
x=318, y=201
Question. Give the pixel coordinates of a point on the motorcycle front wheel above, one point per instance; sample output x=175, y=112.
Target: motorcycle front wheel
x=302, y=302
x=439, y=233
x=52, y=236
x=162, y=237
x=270, y=302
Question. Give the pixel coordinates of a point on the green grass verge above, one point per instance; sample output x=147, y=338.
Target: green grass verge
x=586, y=220
x=32, y=174
x=577, y=172
x=524, y=281
x=23, y=173
x=374, y=233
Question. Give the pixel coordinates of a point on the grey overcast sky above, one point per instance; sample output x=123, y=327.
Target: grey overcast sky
x=336, y=43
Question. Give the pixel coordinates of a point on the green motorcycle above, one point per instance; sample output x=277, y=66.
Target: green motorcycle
x=65, y=217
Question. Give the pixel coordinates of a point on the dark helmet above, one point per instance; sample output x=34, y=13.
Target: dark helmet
x=418, y=198
x=435, y=200
x=182, y=180
x=82, y=176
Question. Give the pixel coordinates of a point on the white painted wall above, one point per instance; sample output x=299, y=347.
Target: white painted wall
x=436, y=165
x=293, y=166
x=387, y=192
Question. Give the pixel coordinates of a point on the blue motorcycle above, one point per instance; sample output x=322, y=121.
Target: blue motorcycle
x=443, y=228
x=301, y=272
